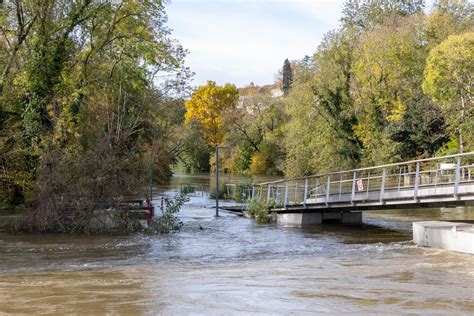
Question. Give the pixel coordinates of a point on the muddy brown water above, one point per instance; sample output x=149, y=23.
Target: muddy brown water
x=231, y=265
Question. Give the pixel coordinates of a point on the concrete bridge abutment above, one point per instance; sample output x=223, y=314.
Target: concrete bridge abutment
x=317, y=218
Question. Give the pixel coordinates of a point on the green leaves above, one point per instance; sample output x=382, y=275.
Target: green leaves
x=361, y=101
x=167, y=222
x=449, y=78
x=449, y=73
x=79, y=77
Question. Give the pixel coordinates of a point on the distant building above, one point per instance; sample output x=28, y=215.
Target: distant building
x=277, y=93
x=248, y=94
x=273, y=90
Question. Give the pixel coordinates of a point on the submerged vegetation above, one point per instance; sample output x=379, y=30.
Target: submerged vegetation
x=242, y=191
x=167, y=221
x=260, y=210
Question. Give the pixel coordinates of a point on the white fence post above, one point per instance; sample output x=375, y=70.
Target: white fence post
x=382, y=187
x=328, y=189
x=305, y=191
x=354, y=177
x=417, y=181
x=457, y=177
x=340, y=187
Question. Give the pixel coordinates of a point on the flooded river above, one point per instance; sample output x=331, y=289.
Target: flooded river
x=231, y=265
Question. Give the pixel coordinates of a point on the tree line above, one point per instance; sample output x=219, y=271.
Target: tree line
x=90, y=97
x=392, y=83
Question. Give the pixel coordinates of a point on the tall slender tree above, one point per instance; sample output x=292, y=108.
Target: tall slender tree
x=287, y=76
x=449, y=81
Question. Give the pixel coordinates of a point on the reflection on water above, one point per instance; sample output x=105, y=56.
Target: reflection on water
x=232, y=265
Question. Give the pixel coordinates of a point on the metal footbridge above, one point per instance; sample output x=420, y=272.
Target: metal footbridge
x=435, y=182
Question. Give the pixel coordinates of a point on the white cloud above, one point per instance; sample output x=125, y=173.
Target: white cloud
x=245, y=41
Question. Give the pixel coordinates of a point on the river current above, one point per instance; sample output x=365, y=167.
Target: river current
x=231, y=265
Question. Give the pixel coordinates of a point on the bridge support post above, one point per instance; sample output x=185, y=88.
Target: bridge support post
x=296, y=193
x=305, y=191
x=457, y=178
x=417, y=181
x=351, y=218
x=316, y=218
x=316, y=189
x=354, y=177
x=382, y=186
x=299, y=219
x=328, y=190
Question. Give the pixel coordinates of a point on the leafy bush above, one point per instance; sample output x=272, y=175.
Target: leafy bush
x=260, y=210
x=188, y=188
x=266, y=160
x=72, y=188
x=222, y=193
x=242, y=159
x=168, y=222
x=241, y=190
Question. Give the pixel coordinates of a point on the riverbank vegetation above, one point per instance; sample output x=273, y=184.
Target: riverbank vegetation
x=392, y=83
x=260, y=210
x=90, y=97
x=167, y=222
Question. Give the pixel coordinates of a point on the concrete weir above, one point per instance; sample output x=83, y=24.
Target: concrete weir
x=445, y=235
x=315, y=218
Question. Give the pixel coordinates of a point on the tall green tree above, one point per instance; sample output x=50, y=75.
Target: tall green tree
x=311, y=143
x=332, y=91
x=287, y=77
x=449, y=79
x=388, y=73
x=361, y=15
x=449, y=17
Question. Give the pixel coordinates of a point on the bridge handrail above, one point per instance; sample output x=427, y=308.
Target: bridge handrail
x=367, y=168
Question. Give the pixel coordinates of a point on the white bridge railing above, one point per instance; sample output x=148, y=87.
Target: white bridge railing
x=448, y=176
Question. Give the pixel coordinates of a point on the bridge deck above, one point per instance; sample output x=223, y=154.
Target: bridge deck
x=435, y=182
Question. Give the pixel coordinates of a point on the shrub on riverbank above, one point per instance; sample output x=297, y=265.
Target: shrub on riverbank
x=241, y=191
x=168, y=222
x=222, y=193
x=112, y=220
x=260, y=210
x=73, y=187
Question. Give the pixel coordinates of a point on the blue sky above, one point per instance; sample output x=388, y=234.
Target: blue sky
x=240, y=41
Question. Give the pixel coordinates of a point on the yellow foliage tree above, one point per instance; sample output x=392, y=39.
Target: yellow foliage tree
x=449, y=78
x=207, y=106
